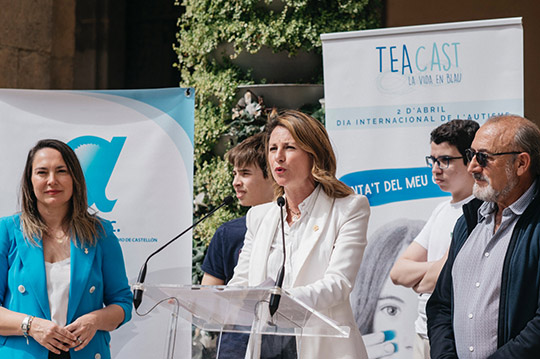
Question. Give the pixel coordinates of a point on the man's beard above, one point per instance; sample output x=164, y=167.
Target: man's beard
x=488, y=193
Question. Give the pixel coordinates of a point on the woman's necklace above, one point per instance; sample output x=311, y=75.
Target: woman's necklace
x=59, y=238
x=295, y=215
x=62, y=239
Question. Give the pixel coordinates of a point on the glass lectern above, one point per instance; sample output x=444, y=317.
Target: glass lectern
x=242, y=310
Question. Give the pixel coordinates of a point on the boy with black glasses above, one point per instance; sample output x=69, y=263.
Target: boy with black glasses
x=419, y=266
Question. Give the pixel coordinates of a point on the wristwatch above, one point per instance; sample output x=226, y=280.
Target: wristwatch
x=25, y=326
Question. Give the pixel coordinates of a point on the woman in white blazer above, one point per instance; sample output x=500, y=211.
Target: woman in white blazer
x=325, y=231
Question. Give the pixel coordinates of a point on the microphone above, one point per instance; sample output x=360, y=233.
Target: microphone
x=138, y=288
x=275, y=298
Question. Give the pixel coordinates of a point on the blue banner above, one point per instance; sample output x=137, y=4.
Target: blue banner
x=384, y=186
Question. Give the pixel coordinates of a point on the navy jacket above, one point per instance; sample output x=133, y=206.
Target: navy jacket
x=519, y=308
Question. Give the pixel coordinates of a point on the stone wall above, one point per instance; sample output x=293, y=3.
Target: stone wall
x=37, y=44
x=87, y=44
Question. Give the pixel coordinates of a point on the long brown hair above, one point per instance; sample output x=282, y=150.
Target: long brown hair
x=311, y=136
x=81, y=224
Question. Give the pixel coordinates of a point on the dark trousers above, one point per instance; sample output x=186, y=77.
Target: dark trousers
x=278, y=347
x=62, y=355
x=234, y=345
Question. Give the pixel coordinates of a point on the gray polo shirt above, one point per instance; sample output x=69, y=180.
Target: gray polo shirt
x=476, y=277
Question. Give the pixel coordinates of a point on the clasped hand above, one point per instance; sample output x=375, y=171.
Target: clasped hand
x=55, y=338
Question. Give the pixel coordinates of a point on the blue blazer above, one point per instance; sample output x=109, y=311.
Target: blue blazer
x=98, y=278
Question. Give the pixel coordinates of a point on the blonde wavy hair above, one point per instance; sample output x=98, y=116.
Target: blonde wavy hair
x=311, y=136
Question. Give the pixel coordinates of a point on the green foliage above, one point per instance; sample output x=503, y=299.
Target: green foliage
x=207, y=65
x=287, y=25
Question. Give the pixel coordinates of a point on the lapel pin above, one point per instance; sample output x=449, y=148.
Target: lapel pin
x=315, y=228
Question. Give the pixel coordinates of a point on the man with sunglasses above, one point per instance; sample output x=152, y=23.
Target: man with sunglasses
x=486, y=302
x=419, y=266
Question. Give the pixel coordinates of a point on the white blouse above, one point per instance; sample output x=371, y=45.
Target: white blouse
x=58, y=278
x=293, y=237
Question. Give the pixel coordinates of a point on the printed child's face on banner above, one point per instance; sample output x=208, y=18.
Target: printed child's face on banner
x=396, y=311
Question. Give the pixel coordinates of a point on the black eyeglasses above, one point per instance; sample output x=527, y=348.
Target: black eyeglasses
x=482, y=157
x=443, y=161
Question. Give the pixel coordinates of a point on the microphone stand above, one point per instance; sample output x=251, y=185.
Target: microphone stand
x=276, y=296
x=138, y=288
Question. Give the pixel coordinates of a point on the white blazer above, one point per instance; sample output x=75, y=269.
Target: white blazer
x=323, y=277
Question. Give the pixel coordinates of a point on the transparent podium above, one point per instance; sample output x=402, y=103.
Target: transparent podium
x=241, y=315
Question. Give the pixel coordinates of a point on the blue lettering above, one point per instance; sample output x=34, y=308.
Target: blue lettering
x=392, y=59
x=455, y=51
x=406, y=64
x=448, y=60
x=435, y=54
x=417, y=56
x=380, y=48
x=444, y=46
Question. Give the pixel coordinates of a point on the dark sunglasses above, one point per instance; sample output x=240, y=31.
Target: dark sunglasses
x=482, y=157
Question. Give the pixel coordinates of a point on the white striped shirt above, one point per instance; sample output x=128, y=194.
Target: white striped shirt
x=476, y=277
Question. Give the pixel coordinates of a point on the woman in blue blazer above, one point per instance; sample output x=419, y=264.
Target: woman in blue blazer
x=63, y=283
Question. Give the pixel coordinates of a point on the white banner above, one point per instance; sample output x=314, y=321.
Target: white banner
x=136, y=150
x=385, y=91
